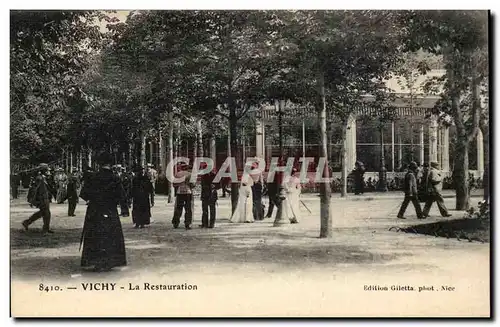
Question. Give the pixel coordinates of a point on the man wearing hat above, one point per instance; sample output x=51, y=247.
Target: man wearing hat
x=411, y=192
x=72, y=191
x=184, y=199
x=208, y=198
x=41, y=199
x=434, y=186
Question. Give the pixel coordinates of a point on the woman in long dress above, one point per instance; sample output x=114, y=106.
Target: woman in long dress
x=291, y=206
x=102, y=235
x=243, y=212
x=61, y=180
x=142, y=198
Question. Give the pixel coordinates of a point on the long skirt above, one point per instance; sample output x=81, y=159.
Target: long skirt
x=244, y=208
x=103, y=241
x=61, y=194
x=141, y=211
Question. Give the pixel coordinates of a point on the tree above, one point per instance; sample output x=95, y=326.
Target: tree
x=462, y=38
x=49, y=54
x=329, y=62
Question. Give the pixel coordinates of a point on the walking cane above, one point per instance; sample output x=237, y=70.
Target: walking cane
x=305, y=206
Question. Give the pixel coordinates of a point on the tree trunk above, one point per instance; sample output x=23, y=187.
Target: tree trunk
x=486, y=174
x=233, y=134
x=199, y=138
x=89, y=157
x=229, y=143
x=130, y=156
x=143, y=149
x=177, y=140
x=80, y=160
x=213, y=151
x=461, y=162
x=325, y=189
x=343, y=158
x=170, y=155
x=70, y=168
x=66, y=168
x=460, y=173
x=162, y=155
x=151, y=152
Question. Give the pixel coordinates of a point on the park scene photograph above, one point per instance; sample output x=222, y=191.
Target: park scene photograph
x=250, y=163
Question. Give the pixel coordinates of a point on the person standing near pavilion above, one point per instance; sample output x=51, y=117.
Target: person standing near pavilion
x=184, y=198
x=291, y=205
x=434, y=187
x=153, y=175
x=208, y=198
x=72, y=191
x=126, y=179
x=61, y=180
x=142, y=198
x=15, y=180
x=40, y=198
x=50, y=179
x=244, y=209
x=359, y=180
x=272, y=193
x=411, y=192
x=102, y=235
x=257, y=189
x=31, y=188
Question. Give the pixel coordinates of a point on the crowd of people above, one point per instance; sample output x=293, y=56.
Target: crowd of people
x=113, y=190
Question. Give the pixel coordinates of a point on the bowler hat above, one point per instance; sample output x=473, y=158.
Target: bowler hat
x=43, y=167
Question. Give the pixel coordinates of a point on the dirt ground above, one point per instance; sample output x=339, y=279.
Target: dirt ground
x=284, y=271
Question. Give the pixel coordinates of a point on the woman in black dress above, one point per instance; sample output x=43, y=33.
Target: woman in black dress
x=359, y=180
x=102, y=236
x=142, y=198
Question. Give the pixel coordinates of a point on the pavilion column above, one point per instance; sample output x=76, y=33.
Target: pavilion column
x=213, y=149
x=480, y=153
x=392, y=147
x=151, y=152
x=259, y=139
x=422, y=145
x=351, y=143
x=163, y=152
x=263, y=140
x=445, y=148
x=400, y=152
x=433, y=136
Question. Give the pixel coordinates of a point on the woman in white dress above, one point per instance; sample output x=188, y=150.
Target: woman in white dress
x=292, y=189
x=243, y=212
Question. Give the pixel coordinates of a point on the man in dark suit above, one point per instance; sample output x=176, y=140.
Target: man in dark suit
x=434, y=186
x=411, y=192
x=208, y=199
x=15, y=180
x=41, y=199
x=72, y=192
x=272, y=192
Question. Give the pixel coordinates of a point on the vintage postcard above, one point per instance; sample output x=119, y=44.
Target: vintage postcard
x=249, y=163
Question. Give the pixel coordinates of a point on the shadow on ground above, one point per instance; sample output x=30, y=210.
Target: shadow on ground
x=161, y=249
